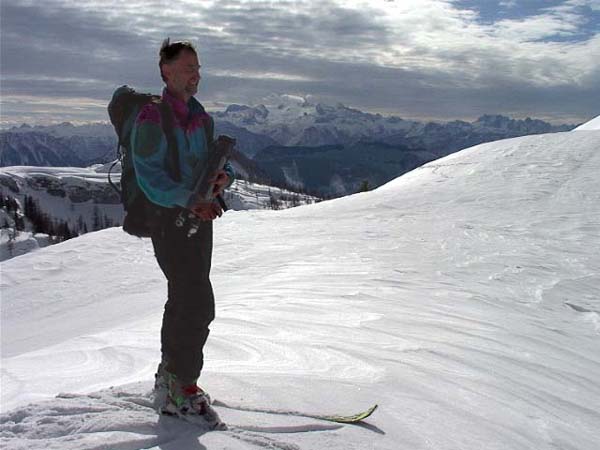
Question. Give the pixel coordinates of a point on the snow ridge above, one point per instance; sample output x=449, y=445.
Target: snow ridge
x=593, y=124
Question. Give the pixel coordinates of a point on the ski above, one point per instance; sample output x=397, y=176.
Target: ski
x=355, y=418
x=343, y=419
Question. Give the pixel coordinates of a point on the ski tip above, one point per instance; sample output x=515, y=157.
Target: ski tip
x=371, y=410
x=356, y=418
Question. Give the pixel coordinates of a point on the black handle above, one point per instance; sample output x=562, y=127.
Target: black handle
x=222, y=203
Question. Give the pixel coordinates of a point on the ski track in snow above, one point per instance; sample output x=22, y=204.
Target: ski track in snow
x=462, y=297
x=125, y=418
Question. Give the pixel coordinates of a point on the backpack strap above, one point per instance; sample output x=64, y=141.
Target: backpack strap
x=168, y=124
x=210, y=131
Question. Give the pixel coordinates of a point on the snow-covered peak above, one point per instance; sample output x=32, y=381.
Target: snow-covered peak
x=294, y=120
x=246, y=115
x=493, y=120
x=593, y=124
x=287, y=100
x=275, y=109
x=500, y=122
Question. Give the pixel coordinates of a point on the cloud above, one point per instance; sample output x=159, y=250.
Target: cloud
x=411, y=57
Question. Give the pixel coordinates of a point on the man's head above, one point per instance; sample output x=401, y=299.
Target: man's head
x=179, y=68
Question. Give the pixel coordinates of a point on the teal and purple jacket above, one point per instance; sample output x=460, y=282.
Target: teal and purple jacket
x=149, y=149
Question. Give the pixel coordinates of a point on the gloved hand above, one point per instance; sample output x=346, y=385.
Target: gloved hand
x=220, y=180
x=206, y=211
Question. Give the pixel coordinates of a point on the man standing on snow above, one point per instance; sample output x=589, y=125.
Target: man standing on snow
x=184, y=257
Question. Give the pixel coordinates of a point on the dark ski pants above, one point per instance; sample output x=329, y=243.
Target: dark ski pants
x=190, y=306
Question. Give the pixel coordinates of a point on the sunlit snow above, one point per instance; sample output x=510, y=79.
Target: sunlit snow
x=462, y=297
x=593, y=124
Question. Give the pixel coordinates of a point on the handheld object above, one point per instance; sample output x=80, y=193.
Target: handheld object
x=204, y=174
x=217, y=157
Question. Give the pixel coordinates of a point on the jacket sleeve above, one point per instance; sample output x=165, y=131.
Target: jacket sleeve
x=149, y=151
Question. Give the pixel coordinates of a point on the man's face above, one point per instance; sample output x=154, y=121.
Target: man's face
x=183, y=75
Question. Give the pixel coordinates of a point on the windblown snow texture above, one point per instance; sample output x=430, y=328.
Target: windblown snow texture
x=461, y=297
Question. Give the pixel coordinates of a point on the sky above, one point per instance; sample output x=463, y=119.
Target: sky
x=417, y=59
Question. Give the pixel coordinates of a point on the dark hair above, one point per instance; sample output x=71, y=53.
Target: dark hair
x=169, y=52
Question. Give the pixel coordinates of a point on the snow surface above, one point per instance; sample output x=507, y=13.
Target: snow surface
x=15, y=243
x=593, y=124
x=463, y=297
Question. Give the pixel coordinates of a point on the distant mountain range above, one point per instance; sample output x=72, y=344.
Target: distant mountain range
x=322, y=148
x=296, y=122
x=57, y=145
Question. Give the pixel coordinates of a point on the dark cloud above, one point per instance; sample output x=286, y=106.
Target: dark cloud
x=68, y=43
x=319, y=25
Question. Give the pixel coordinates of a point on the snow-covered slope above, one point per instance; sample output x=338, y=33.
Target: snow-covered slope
x=65, y=193
x=593, y=124
x=461, y=297
x=15, y=243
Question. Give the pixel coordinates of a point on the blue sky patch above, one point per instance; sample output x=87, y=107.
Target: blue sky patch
x=491, y=11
